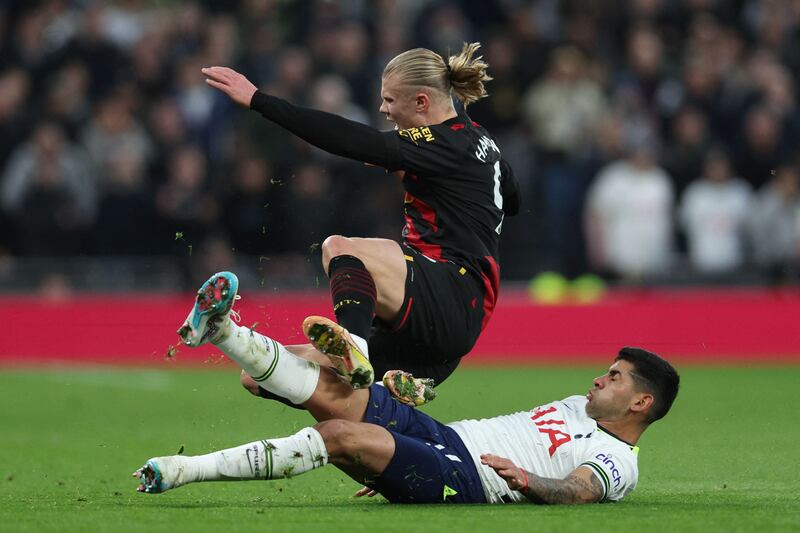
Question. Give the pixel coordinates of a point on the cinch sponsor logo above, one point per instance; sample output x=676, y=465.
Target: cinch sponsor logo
x=610, y=463
x=483, y=147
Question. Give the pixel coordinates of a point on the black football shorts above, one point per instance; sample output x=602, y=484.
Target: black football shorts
x=438, y=324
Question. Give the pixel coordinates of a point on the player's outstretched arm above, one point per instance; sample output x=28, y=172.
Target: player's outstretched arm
x=327, y=131
x=581, y=486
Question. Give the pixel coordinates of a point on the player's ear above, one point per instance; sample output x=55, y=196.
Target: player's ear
x=642, y=402
x=422, y=103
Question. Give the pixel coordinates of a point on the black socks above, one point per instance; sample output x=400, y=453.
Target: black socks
x=353, y=292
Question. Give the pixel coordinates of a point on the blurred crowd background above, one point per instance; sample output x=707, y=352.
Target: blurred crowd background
x=655, y=141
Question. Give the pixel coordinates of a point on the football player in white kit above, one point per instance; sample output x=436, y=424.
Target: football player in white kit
x=578, y=450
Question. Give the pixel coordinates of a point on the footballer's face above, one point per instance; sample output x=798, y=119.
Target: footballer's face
x=400, y=104
x=614, y=393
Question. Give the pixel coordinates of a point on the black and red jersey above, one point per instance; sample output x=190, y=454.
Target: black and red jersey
x=458, y=187
x=458, y=190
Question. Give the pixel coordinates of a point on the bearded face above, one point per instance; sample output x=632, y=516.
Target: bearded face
x=614, y=393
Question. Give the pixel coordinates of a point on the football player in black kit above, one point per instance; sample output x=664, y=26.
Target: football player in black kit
x=418, y=305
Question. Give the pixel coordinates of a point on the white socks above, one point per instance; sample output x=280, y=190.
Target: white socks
x=264, y=459
x=270, y=364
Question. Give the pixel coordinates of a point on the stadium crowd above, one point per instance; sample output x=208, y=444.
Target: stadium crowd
x=649, y=136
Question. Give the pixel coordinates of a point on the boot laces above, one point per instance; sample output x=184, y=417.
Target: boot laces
x=235, y=314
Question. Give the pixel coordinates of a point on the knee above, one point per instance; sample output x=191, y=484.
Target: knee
x=340, y=436
x=334, y=246
x=248, y=383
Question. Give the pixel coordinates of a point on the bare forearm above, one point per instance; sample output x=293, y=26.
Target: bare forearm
x=571, y=490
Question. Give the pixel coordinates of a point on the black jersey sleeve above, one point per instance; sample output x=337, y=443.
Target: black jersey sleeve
x=509, y=189
x=428, y=150
x=330, y=132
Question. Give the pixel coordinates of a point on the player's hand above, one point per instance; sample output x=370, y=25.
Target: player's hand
x=514, y=476
x=365, y=491
x=235, y=85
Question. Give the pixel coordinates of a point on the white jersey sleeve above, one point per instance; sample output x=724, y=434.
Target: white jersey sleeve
x=615, y=466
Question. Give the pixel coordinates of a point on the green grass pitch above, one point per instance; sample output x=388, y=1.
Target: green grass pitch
x=725, y=459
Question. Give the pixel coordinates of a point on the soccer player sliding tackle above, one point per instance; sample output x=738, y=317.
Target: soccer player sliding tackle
x=578, y=450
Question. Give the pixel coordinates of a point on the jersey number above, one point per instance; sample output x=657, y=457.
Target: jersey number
x=557, y=437
x=498, y=196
